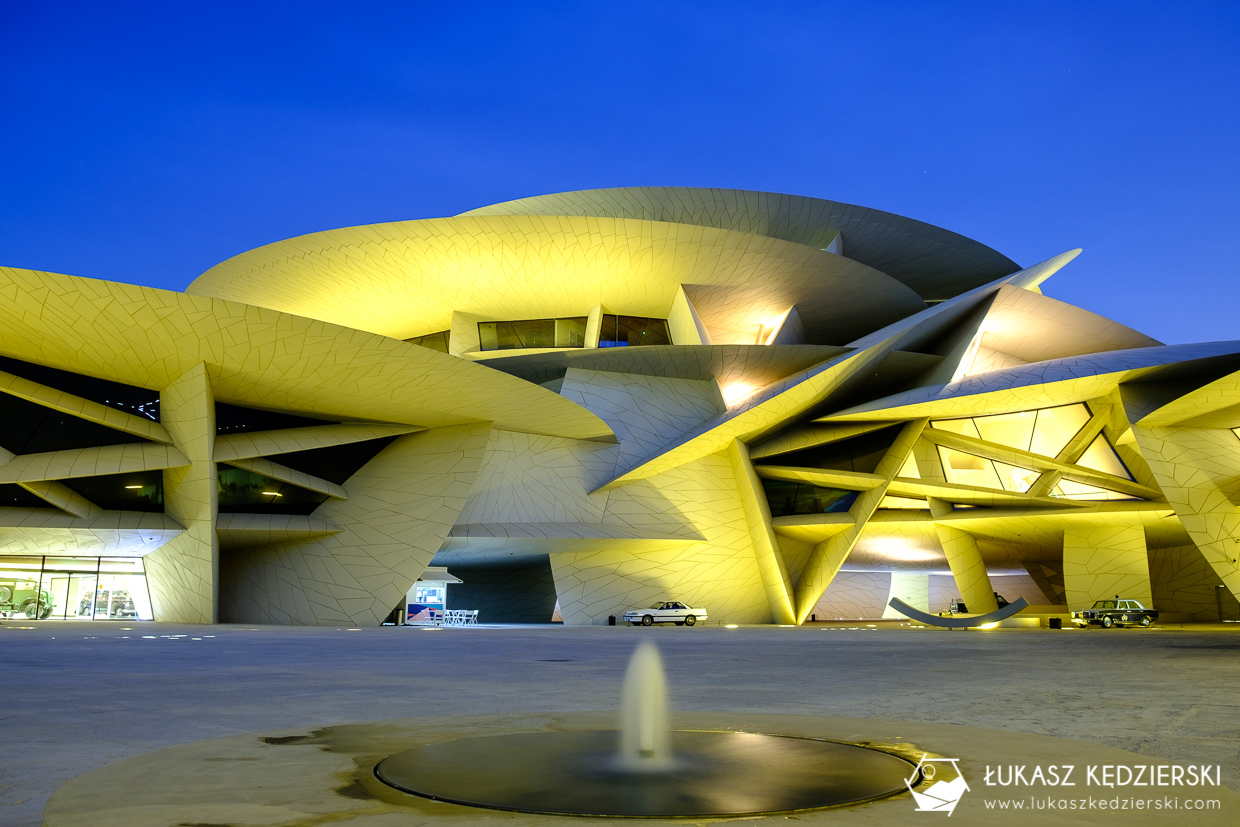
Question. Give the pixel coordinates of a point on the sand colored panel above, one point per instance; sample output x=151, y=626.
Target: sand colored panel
x=246, y=530
x=683, y=323
x=854, y=595
x=644, y=412
x=1186, y=587
x=230, y=447
x=91, y=411
x=63, y=497
x=408, y=278
x=1103, y=561
x=183, y=573
x=257, y=356
x=1198, y=469
x=811, y=435
x=766, y=546
x=92, y=462
x=404, y=502
x=912, y=588
x=723, y=571
x=935, y=262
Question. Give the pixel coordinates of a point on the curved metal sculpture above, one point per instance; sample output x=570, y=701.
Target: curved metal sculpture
x=958, y=622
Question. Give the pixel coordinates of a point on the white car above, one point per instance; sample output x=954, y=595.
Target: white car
x=667, y=612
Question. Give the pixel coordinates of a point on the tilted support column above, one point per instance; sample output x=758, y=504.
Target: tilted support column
x=964, y=558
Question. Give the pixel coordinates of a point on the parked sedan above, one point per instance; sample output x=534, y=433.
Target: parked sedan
x=1114, y=612
x=667, y=612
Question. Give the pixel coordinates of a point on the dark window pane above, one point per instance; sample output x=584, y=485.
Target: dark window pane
x=635, y=330
x=232, y=419
x=787, y=498
x=433, y=341
x=14, y=496
x=336, y=463
x=244, y=492
x=137, y=491
x=532, y=333
x=861, y=453
x=571, y=332
x=607, y=331
x=128, y=398
x=33, y=429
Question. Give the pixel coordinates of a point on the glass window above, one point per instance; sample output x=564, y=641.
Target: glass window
x=1100, y=456
x=533, y=333
x=244, y=492
x=137, y=491
x=74, y=588
x=1056, y=427
x=1080, y=491
x=903, y=502
x=632, y=331
x=433, y=341
x=1046, y=431
x=787, y=498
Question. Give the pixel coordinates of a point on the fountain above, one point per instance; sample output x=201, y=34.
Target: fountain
x=646, y=769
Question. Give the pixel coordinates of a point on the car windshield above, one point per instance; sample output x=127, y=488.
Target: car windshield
x=1105, y=604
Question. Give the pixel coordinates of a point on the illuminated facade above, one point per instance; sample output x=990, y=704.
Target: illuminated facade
x=772, y=406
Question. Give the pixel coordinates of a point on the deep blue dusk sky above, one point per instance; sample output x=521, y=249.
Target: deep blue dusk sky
x=146, y=142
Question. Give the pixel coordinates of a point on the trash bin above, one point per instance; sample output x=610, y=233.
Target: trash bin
x=611, y=620
x=1056, y=622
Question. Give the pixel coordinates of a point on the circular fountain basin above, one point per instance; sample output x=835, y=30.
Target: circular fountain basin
x=711, y=774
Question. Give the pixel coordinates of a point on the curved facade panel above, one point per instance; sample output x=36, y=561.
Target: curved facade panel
x=934, y=262
x=777, y=407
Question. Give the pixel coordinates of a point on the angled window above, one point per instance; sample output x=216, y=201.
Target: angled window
x=137, y=491
x=233, y=419
x=1100, y=456
x=336, y=463
x=787, y=498
x=1045, y=431
x=533, y=333
x=433, y=341
x=860, y=453
x=891, y=501
x=128, y=398
x=244, y=492
x=1070, y=490
x=14, y=496
x=632, y=331
x=969, y=469
x=34, y=429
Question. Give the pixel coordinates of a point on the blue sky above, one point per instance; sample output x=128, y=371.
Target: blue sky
x=147, y=142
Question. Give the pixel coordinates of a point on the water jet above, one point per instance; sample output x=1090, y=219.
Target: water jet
x=644, y=768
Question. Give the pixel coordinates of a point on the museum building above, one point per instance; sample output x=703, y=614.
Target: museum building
x=776, y=407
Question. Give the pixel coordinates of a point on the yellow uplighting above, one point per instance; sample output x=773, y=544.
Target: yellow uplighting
x=738, y=392
x=989, y=625
x=131, y=487
x=731, y=626
x=272, y=494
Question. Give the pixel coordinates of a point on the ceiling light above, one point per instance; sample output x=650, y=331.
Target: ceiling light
x=131, y=487
x=272, y=494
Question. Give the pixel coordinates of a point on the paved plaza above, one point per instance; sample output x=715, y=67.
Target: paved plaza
x=80, y=695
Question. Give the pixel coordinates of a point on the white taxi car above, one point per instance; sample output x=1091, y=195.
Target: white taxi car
x=667, y=612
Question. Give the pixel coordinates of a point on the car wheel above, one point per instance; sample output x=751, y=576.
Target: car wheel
x=1145, y=621
x=31, y=609
x=6, y=594
x=690, y=620
x=647, y=620
x=1107, y=623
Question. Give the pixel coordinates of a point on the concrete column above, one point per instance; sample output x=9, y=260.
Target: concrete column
x=1102, y=561
x=183, y=574
x=913, y=589
x=964, y=558
x=594, y=324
